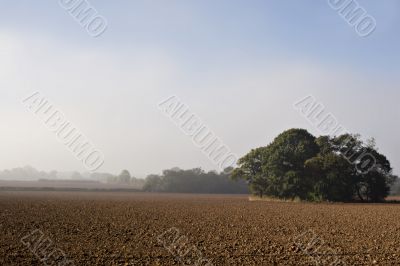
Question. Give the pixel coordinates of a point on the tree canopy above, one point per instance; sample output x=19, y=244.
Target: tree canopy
x=298, y=165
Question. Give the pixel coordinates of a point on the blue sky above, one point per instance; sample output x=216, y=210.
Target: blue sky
x=229, y=30
x=239, y=65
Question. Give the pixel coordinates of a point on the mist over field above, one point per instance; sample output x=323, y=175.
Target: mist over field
x=199, y=132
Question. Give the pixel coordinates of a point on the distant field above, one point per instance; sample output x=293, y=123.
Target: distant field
x=63, y=185
x=127, y=229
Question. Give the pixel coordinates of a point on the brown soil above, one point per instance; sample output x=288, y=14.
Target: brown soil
x=126, y=229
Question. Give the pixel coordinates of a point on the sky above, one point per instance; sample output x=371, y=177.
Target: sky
x=238, y=65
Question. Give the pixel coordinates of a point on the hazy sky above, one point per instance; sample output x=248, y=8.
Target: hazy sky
x=239, y=65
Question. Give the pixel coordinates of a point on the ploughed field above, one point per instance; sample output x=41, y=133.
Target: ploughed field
x=93, y=228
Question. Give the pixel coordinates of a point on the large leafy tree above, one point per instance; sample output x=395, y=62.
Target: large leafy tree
x=297, y=165
x=278, y=169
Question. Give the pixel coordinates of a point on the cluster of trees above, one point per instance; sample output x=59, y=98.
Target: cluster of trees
x=298, y=165
x=194, y=181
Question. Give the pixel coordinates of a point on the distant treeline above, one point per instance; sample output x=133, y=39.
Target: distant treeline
x=194, y=181
x=26, y=173
x=29, y=173
x=174, y=180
